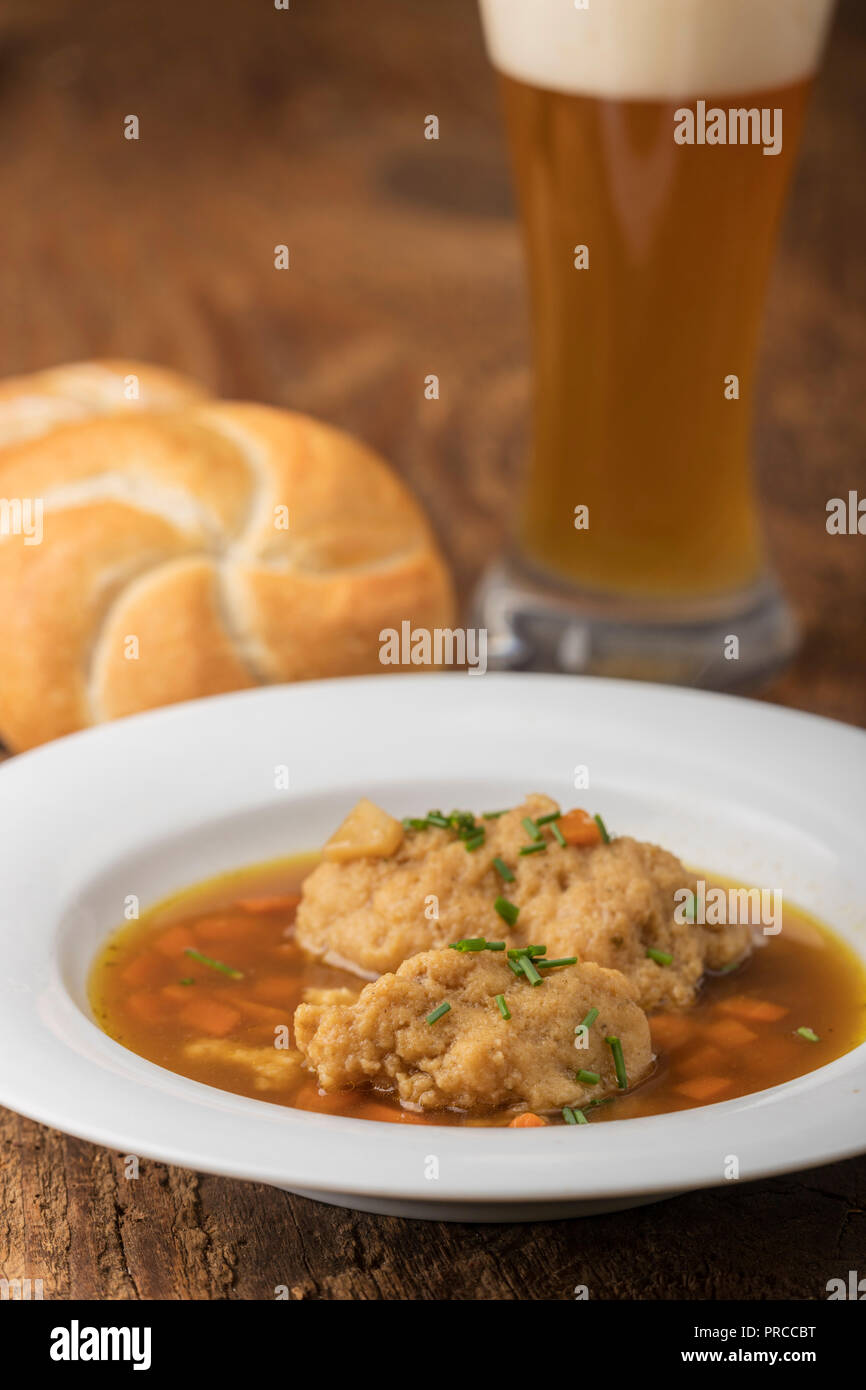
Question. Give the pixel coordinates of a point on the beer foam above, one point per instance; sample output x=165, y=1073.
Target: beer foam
x=662, y=49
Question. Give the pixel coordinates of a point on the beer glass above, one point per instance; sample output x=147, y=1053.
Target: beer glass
x=652, y=143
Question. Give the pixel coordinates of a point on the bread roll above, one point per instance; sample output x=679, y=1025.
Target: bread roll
x=34, y=404
x=166, y=570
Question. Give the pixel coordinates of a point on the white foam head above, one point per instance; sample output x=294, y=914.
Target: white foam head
x=663, y=49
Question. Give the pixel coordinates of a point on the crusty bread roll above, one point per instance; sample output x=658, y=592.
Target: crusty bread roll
x=165, y=571
x=40, y=401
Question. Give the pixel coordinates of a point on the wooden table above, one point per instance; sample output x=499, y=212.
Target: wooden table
x=305, y=127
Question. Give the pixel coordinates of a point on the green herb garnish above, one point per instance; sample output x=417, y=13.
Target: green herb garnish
x=476, y=943
x=557, y=834
x=546, y=820
x=437, y=1013
x=809, y=1034
x=660, y=957
x=588, y=1078
x=568, y=1115
x=529, y=970
x=589, y=1020
x=502, y=1006
x=580, y=1117
x=214, y=964
x=563, y=960
x=187, y=980
x=491, y=815
x=603, y=828
x=533, y=849
x=509, y=912
x=618, y=1062
x=503, y=870
x=531, y=828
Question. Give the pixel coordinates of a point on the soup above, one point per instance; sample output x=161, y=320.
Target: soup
x=211, y=977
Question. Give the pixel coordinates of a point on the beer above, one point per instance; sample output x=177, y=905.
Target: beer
x=648, y=259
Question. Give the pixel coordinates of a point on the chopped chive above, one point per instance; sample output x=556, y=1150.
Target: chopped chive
x=580, y=1117
x=513, y=967
x=187, y=980
x=491, y=815
x=529, y=970
x=531, y=828
x=604, y=1100
x=503, y=870
x=731, y=965
x=589, y=1078
x=474, y=842
x=563, y=960
x=437, y=818
x=660, y=957
x=568, y=1115
x=546, y=820
x=603, y=828
x=691, y=908
x=437, y=1013
x=215, y=964
x=618, y=1061
x=476, y=943
x=509, y=912
x=589, y=1020
x=502, y=1006
x=534, y=849
x=515, y=952
x=414, y=823
x=809, y=1034
x=558, y=835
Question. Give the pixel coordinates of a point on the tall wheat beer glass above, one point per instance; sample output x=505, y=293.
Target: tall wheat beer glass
x=652, y=143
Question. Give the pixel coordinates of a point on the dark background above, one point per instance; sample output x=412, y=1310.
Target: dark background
x=261, y=127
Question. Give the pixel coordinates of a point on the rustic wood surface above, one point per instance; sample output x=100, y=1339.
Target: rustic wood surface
x=305, y=127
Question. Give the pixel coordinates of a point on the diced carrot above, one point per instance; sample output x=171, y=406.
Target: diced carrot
x=176, y=994
x=378, y=1110
x=579, y=828
x=262, y=1013
x=704, y=1060
x=753, y=1010
x=145, y=969
x=210, y=1015
x=147, y=1005
x=527, y=1121
x=175, y=941
x=307, y=1098
x=216, y=930
x=729, y=1032
x=704, y=1087
x=274, y=989
x=279, y=902
x=670, y=1031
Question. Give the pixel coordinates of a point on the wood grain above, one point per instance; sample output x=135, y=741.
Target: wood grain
x=261, y=127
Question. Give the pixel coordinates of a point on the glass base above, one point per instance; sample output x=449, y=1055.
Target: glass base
x=725, y=643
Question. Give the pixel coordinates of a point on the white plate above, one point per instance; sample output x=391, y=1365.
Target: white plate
x=151, y=804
